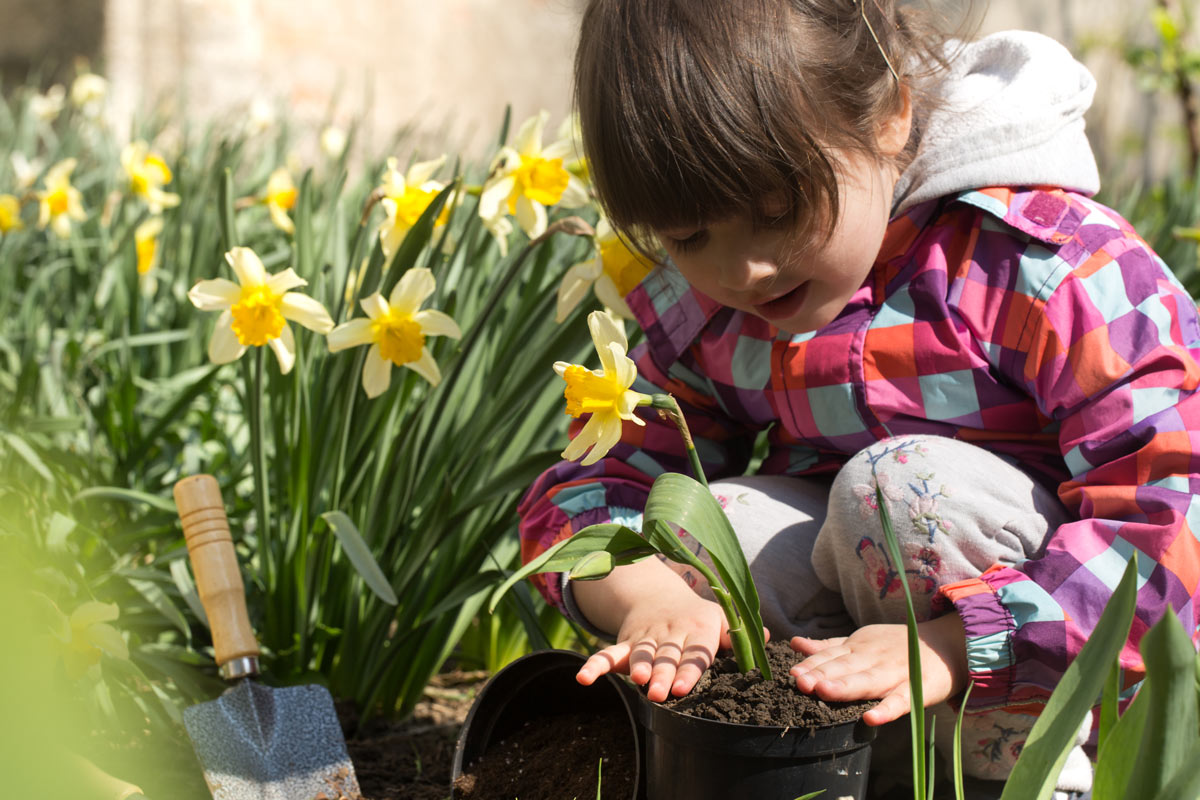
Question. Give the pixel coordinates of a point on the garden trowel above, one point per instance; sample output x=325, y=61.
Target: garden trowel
x=255, y=742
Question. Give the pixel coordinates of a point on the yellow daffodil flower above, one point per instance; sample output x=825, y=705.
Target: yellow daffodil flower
x=405, y=198
x=526, y=178
x=88, y=92
x=60, y=201
x=48, y=106
x=255, y=310
x=10, y=214
x=604, y=393
x=396, y=329
x=574, y=162
x=148, y=173
x=612, y=273
x=145, y=239
x=280, y=199
x=86, y=635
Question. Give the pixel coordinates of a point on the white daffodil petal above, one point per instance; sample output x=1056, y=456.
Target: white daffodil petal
x=607, y=437
x=422, y=171
x=531, y=216
x=493, y=200
x=575, y=195
x=224, y=346
x=247, y=265
x=214, y=295
x=560, y=367
x=108, y=639
x=280, y=217
x=413, y=289
x=586, y=437
x=624, y=370
x=627, y=403
x=285, y=281
x=426, y=367
x=604, y=330
x=376, y=374
x=529, y=137
x=437, y=323
x=306, y=311
x=374, y=306
x=284, y=347
x=350, y=334
x=563, y=148
x=607, y=293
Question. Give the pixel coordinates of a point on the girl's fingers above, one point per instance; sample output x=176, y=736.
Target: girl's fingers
x=696, y=658
x=641, y=661
x=890, y=708
x=808, y=646
x=614, y=658
x=666, y=662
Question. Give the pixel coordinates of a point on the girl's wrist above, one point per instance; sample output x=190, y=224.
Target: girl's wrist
x=947, y=639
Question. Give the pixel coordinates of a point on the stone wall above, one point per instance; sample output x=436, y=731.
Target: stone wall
x=447, y=68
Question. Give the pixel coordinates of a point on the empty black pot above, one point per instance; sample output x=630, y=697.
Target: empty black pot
x=533, y=687
x=703, y=759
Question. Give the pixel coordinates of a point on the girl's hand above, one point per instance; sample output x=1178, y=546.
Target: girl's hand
x=666, y=634
x=872, y=662
x=667, y=642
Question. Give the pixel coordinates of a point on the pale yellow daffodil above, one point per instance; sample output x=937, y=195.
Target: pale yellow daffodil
x=88, y=92
x=604, y=393
x=280, y=199
x=145, y=239
x=255, y=310
x=26, y=171
x=575, y=162
x=60, y=202
x=405, y=198
x=48, y=106
x=612, y=273
x=148, y=173
x=526, y=178
x=396, y=329
x=86, y=635
x=333, y=142
x=10, y=214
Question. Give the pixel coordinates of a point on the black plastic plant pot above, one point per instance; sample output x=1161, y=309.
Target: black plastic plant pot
x=535, y=687
x=703, y=759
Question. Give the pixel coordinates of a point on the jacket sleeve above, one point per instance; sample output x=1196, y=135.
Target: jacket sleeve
x=568, y=496
x=1109, y=348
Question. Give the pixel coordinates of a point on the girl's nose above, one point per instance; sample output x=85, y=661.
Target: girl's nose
x=743, y=273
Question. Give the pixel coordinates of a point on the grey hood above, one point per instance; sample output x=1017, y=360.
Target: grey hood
x=1011, y=114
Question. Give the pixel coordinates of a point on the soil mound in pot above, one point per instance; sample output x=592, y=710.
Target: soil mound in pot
x=728, y=695
x=559, y=756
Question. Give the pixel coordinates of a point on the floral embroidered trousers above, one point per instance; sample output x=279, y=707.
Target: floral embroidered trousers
x=823, y=568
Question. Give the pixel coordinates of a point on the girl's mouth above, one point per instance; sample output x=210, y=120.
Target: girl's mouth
x=784, y=306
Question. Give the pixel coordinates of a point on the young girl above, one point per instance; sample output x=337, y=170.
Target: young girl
x=880, y=249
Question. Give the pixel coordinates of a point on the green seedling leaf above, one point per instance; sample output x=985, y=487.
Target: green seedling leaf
x=690, y=506
x=1171, y=722
x=359, y=554
x=593, y=566
x=1036, y=771
x=1113, y=763
x=811, y=795
x=625, y=544
x=958, y=772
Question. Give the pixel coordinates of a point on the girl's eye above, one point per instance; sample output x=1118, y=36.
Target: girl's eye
x=692, y=242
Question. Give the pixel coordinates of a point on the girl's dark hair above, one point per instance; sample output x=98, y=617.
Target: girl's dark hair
x=695, y=110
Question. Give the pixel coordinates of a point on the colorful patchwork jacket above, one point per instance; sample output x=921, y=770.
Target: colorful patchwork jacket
x=1034, y=323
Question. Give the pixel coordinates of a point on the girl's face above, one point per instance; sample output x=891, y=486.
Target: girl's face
x=795, y=286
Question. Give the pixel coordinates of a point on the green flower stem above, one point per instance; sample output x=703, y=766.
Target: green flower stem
x=739, y=637
x=258, y=455
x=669, y=409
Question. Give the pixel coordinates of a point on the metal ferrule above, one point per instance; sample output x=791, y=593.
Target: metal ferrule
x=240, y=667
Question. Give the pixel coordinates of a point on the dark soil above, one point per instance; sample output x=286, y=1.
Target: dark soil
x=723, y=693
x=561, y=756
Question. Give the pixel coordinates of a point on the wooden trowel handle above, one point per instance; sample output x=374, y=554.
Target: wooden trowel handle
x=218, y=580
